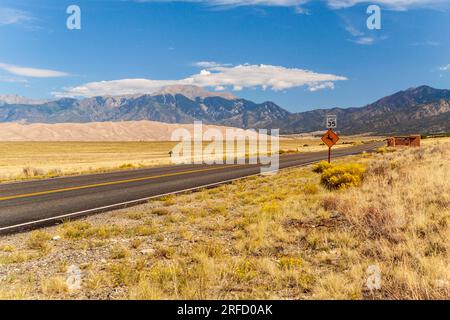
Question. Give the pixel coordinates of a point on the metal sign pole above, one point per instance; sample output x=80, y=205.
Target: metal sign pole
x=329, y=154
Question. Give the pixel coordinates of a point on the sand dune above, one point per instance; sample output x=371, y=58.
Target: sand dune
x=95, y=131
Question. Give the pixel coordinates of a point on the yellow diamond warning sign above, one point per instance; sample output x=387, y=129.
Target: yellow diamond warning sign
x=330, y=138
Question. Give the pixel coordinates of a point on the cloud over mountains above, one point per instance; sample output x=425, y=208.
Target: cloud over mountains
x=219, y=77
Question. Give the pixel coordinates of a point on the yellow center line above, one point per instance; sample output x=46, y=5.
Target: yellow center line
x=111, y=183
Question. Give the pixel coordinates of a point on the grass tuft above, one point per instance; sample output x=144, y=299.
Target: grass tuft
x=39, y=240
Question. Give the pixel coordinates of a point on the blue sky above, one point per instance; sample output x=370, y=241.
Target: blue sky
x=301, y=54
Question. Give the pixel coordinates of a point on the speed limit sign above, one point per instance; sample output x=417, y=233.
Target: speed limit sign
x=331, y=122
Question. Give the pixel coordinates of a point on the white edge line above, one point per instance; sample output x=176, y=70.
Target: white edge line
x=138, y=201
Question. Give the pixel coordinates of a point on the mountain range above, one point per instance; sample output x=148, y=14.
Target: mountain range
x=415, y=110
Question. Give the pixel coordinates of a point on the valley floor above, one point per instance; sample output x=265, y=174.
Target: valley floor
x=35, y=160
x=274, y=237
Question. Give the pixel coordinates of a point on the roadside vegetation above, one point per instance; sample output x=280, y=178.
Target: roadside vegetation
x=315, y=232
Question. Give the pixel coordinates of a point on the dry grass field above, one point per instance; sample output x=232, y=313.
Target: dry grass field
x=306, y=233
x=33, y=160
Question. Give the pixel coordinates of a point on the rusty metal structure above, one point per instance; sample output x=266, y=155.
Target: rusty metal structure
x=407, y=141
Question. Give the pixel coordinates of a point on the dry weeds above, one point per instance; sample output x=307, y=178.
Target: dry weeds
x=281, y=237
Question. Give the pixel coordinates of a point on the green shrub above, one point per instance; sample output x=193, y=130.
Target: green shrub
x=342, y=176
x=322, y=166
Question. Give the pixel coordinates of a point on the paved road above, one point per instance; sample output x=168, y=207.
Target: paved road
x=37, y=203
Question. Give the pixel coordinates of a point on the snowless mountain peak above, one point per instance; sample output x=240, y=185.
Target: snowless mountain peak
x=192, y=92
x=16, y=99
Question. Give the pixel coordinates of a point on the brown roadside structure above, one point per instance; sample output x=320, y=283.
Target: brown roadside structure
x=407, y=141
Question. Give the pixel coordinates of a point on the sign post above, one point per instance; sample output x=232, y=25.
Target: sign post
x=330, y=138
x=329, y=154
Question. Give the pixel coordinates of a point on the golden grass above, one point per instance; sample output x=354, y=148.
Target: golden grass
x=54, y=286
x=34, y=160
x=39, y=240
x=271, y=237
x=25, y=160
x=15, y=257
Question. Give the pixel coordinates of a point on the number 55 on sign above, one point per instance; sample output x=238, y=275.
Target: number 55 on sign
x=331, y=122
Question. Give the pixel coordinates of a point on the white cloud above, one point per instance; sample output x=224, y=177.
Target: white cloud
x=210, y=64
x=273, y=77
x=367, y=41
x=302, y=10
x=239, y=3
x=358, y=36
x=445, y=68
x=237, y=77
x=13, y=16
x=334, y=4
x=392, y=4
x=31, y=72
x=319, y=86
x=278, y=3
x=115, y=87
x=353, y=31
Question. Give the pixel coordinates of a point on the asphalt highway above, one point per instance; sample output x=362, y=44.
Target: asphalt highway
x=32, y=204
